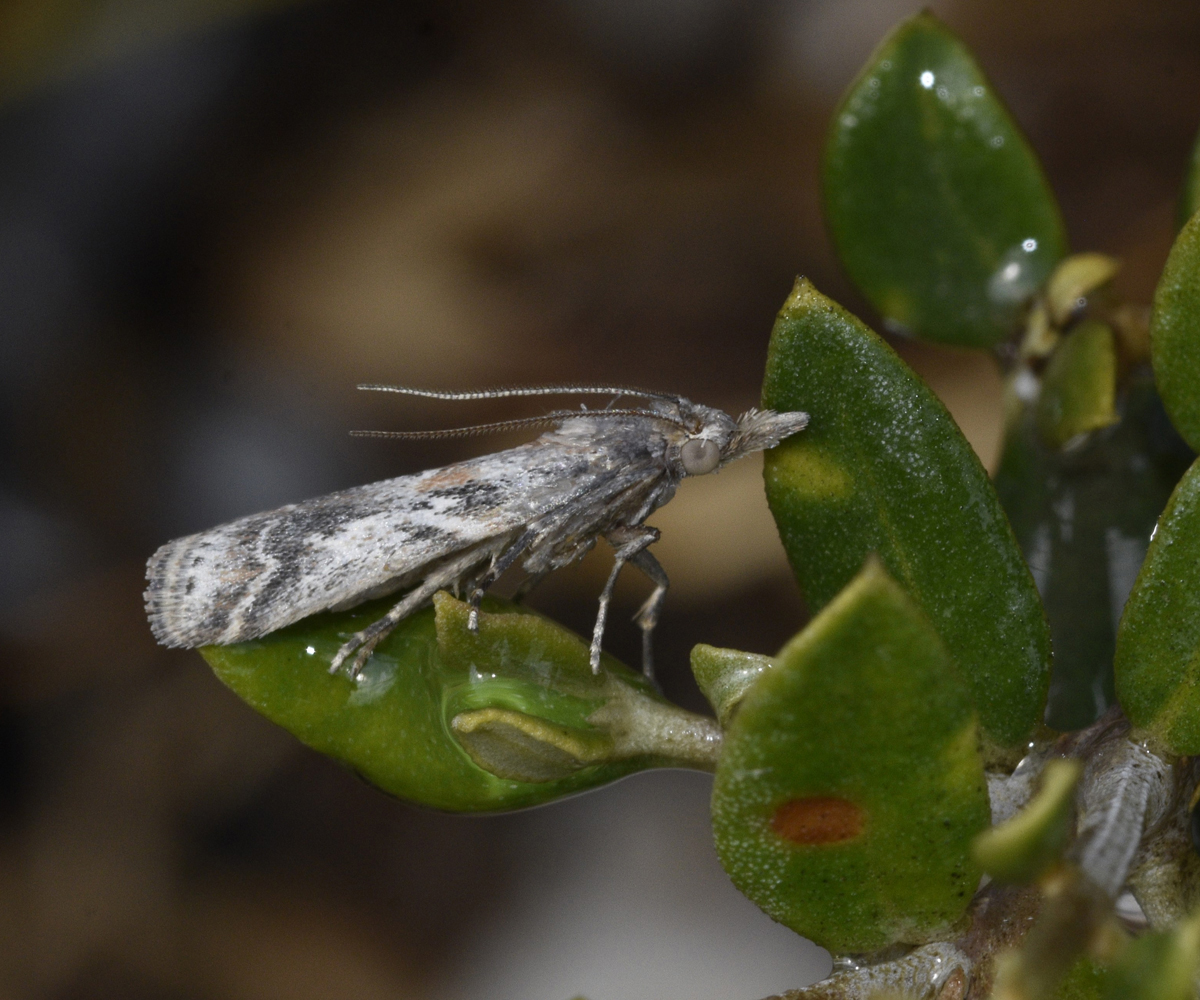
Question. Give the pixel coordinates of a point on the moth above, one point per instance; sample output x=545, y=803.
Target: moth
x=595, y=474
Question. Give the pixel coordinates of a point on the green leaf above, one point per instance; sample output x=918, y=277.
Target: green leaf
x=1083, y=519
x=1085, y=981
x=1029, y=843
x=505, y=717
x=1074, y=280
x=851, y=783
x=512, y=744
x=725, y=675
x=1189, y=197
x=1158, y=966
x=938, y=207
x=1175, y=333
x=1079, y=386
x=883, y=468
x=1158, y=645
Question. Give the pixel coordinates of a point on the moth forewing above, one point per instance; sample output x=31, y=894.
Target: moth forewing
x=597, y=474
x=259, y=573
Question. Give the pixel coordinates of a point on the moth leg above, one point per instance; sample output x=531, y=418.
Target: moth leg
x=647, y=616
x=362, y=644
x=494, y=572
x=602, y=614
x=628, y=542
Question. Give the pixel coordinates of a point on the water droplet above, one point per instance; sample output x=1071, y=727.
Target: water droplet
x=1029, y=245
x=926, y=79
x=1013, y=280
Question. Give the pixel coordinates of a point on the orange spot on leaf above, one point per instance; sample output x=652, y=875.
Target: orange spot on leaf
x=817, y=820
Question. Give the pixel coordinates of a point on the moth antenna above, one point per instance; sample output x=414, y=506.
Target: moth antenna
x=457, y=432
x=568, y=414
x=505, y=392
x=507, y=425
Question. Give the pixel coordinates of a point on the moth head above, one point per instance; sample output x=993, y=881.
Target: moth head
x=701, y=437
x=712, y=438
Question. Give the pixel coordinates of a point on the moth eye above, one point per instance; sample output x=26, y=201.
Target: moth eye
x=699, y=456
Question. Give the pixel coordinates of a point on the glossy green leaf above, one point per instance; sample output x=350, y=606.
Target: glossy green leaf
x=1175, y=333
x=509, y=716
x=851, y=782
x=1158, y=966
x=883, y=468
x=1079, y=386
x=1029, y=843
x=938, y=207
x=1158, y=645
x=1083, y=519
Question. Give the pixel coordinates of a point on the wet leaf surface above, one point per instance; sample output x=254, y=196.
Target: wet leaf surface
x=527, y=675
x=1083, y=519
x=938, y=207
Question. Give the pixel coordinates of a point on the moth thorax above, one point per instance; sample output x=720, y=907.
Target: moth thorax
x=699, y=456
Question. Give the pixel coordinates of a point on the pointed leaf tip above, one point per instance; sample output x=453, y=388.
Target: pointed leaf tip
x=883, y=468
x=1033, y=840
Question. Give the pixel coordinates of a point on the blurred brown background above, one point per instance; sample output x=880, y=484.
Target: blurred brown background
x=218, y=216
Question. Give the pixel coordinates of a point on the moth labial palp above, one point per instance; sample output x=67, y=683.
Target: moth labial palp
x=594, y=474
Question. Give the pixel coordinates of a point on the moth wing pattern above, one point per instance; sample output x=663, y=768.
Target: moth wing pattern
x=259, y=573
x=598, y=474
